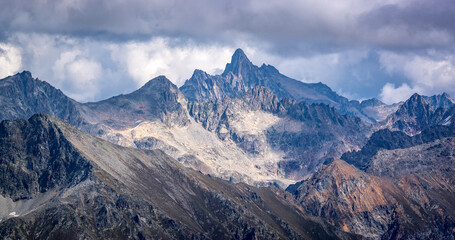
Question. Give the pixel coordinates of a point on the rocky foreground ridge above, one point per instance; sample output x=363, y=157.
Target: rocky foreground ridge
x=58, y=182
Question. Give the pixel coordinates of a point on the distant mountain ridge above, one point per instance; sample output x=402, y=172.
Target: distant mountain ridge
x=394, y=180
x=420, y=112
x=242, y=75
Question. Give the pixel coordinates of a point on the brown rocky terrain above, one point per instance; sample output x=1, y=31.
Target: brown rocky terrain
x=404, y=193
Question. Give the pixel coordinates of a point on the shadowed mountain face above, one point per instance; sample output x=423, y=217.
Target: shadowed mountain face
x=62, y=183
x=390, y=140
x=21, y=96
x=406, y=193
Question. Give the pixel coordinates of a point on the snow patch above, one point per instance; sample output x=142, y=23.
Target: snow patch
x=13, y=214
x=447, y=121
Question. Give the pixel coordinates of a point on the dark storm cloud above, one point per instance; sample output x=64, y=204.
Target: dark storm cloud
x=321, y=26
x=425, y=23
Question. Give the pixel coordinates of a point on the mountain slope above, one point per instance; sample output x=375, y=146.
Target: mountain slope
x=79, y=186
x=408, y=206
x=159, y=99
x=396, y=187
x=390, y=140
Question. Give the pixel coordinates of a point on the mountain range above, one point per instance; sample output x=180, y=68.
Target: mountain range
x=288, y=139
x=212, y=158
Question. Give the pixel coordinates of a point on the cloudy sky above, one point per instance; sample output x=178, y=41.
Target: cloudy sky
x=92, y=50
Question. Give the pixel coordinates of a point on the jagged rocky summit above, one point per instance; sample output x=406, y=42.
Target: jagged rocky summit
x=242, y=75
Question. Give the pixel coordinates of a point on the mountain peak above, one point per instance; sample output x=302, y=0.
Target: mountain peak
x=239, y=63
x=198, y=74
x=26, y=74
x=239, y=54
x=415, y=103
x=415, y=96
x=371, y=102
x=158, y=82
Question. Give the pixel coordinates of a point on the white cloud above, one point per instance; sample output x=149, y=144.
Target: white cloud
x=10, y=60
x=391, y=94
x=78, y=73
x=146, y=60
x=430, y=74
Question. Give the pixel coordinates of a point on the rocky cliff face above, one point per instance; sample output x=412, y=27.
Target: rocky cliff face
x=36, y=157
x=418, y=113
x=57, y=182
x=305, y=134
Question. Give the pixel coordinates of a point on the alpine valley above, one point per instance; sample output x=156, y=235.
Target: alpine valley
x=248, y=154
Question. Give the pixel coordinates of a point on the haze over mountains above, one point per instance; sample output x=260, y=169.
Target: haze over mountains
x=250, y=125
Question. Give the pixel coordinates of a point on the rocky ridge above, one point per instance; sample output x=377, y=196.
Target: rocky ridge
x=62, y=183
x=241, y=75
x=391, y=140
x=418, y=113
x=21, y=96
